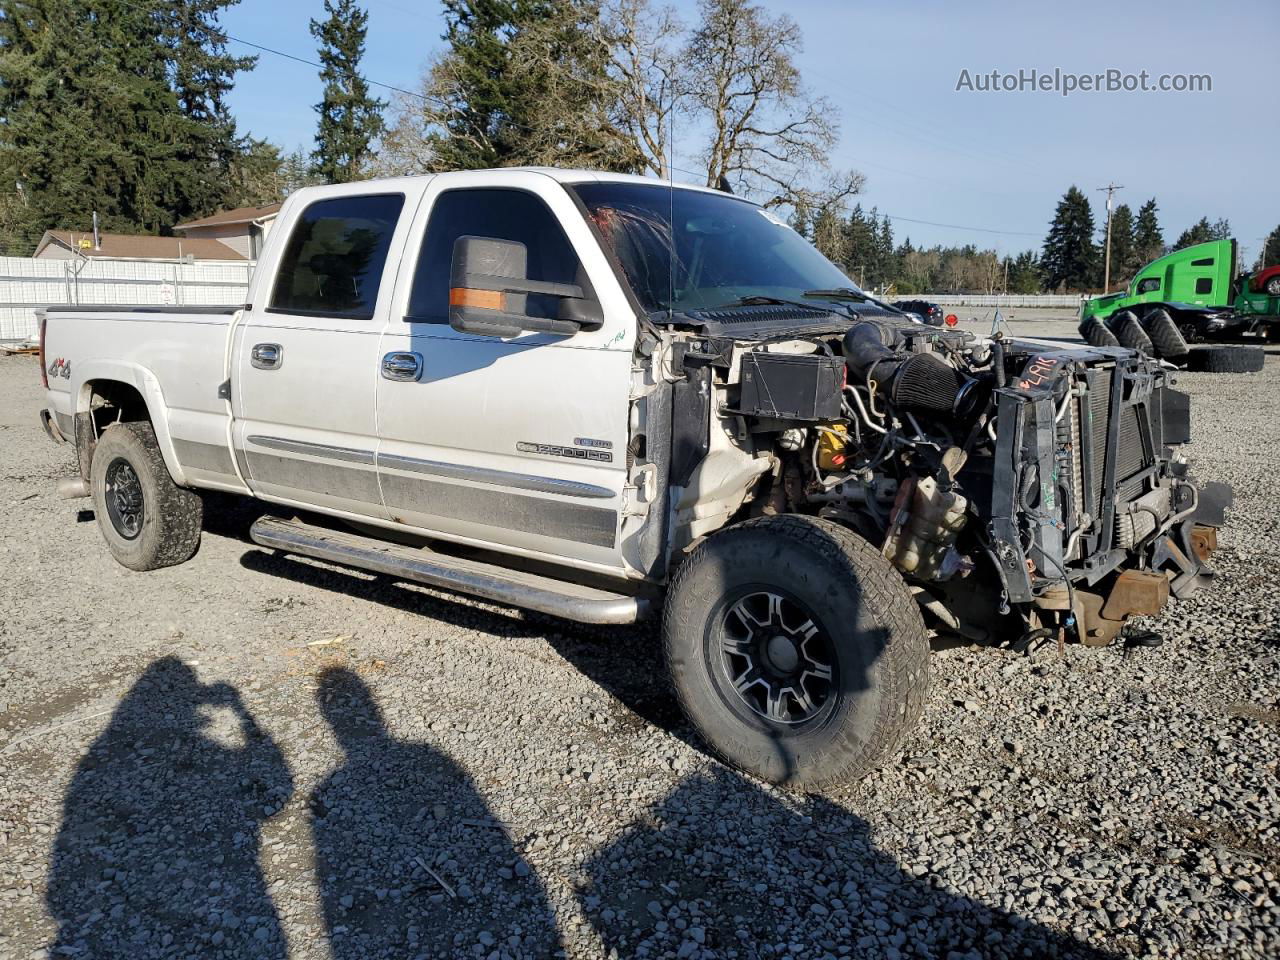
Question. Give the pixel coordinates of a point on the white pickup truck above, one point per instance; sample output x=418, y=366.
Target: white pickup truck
x=582, y=394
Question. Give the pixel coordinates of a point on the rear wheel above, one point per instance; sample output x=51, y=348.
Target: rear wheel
x=796, y=650
x=1166, y=337
x=1273, y=286
x=1226, y=359
x=147, y=520
x=1095, y=333
x=1130, y=333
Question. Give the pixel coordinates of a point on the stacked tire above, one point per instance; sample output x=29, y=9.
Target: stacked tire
x=1157, y=335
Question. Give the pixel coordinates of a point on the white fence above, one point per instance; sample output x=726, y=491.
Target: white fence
x=1071, y=300
x=27, y=284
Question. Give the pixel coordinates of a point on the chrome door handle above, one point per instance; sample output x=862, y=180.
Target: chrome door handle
x=402, y=366
x=267, y=356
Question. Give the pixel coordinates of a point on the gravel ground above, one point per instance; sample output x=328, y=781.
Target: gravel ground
x=251, y=756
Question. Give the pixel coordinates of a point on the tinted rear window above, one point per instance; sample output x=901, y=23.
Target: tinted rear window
x=332, y=265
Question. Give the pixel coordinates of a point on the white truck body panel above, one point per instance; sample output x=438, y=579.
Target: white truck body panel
x=488, y=447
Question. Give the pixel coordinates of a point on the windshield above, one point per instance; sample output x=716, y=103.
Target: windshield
x=725, y=248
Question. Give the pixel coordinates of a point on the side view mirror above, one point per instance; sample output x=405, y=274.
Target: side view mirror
x=489, y=287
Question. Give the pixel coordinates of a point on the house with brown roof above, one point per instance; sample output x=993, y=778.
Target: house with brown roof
x=242, y=229
x=70, y=244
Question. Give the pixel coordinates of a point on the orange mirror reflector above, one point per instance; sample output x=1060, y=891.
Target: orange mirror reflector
x=485, y=299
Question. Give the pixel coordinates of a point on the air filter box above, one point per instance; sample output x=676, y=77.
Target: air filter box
x=789, y=386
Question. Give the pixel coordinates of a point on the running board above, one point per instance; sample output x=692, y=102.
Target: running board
x=515, y=588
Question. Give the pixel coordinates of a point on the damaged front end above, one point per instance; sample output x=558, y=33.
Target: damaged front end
x=1093, y=514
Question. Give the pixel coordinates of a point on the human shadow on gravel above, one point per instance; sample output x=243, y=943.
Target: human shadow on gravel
x=624, y=661
x=722, y=864
x=157, y=852
x=409, y=860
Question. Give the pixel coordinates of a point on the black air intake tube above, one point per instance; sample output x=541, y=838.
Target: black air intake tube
x=923, y=381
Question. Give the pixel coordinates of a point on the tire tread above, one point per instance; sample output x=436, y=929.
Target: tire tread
x=904, y=661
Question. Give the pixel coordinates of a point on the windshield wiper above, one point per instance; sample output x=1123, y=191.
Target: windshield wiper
x=839, y=293
x=756, y=300
x=759, y=300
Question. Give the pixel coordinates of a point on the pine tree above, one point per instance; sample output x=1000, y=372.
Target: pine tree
x=92, y=120
x=350, y=117
x=1202, y=231
x=202, y=74
x=483, y=109
x=860, y=246
x=886, y=261
x=1148, y=238
x=1024, y=273
x=1124, y=260
x=1070, y=256
x=524, y=82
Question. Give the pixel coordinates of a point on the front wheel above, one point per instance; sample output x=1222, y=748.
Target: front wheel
x=147, y=520
x=796, y=650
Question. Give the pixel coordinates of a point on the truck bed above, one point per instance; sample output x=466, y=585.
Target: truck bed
x=175, y=357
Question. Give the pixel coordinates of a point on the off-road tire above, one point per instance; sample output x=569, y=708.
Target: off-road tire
x=1226, y=359
x=169, y=528
x=1095, y=333
x=1130, y=333
x=877, y=637
x=1166, y=337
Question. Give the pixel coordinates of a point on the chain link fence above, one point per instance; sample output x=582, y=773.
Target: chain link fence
x=26, y=284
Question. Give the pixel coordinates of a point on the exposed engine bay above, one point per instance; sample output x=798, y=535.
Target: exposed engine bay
x=1026, y=490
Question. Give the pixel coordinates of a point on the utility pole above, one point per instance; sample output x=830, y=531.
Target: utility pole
x=1110, y=188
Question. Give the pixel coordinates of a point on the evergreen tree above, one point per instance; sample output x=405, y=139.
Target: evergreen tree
x=202, y=73
x=474, y=80
x=830, y=236
x=1124, y=260
x=92, y=120
x=801, y=220
x=350, y=117
x=1270, y=255
x=1202, y=231
x=1148, y=238
x=296, y=172
x=886, y=260
x=860, y=246
x=1070, y=256
x=1024, y=273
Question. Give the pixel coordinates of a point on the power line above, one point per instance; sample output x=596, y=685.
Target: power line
x=425, y=99
x=961, y=226
x=216, y=33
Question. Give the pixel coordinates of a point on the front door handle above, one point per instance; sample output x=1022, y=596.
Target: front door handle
x=402, y=366
x=267, y=356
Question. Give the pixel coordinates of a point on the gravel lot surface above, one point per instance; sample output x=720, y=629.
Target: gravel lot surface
x=253, y=756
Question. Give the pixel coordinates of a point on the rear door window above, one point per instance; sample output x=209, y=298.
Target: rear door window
x=332, y=264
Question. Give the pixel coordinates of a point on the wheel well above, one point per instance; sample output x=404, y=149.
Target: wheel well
x=107, y=402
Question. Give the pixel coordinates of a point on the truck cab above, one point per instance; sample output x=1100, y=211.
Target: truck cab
x=1198, y=286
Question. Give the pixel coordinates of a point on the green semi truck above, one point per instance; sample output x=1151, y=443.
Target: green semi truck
x=1199, y=290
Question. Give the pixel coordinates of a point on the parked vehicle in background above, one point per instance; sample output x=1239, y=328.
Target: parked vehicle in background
x=929, y=313
x=581, y=393
x=1199, y=290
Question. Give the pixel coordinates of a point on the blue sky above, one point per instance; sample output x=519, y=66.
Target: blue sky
x=998, y=161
